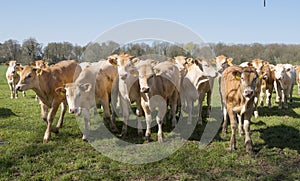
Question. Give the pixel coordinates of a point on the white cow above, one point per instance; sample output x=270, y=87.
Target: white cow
x=13, y=78
x=285, y=76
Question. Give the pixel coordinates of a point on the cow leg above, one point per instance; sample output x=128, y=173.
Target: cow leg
x=269, y=97
x=208, y=100
x=255, y=107
x=277, y=90
x=86, y=117
x=50, y=118
x=232, y=145
x=248, y=141
x=173, y=102
x=240, y=126
x=62, y=114
x=262, y=97
x=139, y=113
x=15, y=91
x=106, y=109
x=291, y=93
x=200, y=102
x=285, y=98
x=159, y=118
x=44, y=111
x=24, y=94
x=280, y=98
x=12, y=95
x=225, y=121
x=125, y=110
x=190, y=110
x=145, y=106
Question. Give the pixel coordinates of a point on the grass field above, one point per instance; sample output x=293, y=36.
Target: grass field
x=23, y=156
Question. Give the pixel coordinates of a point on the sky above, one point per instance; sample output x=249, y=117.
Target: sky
x=80, y=22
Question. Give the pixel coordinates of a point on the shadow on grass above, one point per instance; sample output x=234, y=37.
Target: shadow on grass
x=281, y=136
x=274, y=111
x=4, y=113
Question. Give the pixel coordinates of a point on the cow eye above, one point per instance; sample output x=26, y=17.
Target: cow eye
x=28, y=76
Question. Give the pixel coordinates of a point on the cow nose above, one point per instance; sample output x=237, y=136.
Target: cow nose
x=124, y=76
x=248, y=92
x=145, y=89
x=72, y=111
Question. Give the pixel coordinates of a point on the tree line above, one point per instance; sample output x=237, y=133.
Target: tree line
x=31, y=50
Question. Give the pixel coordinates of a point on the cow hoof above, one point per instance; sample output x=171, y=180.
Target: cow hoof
x=140, y=133
x=45, y=140
x=160, y=139
x=84, y=138
x=249, y=148
x=147, y=139
x=231, y=148
x=55, y=130
x=224, y=131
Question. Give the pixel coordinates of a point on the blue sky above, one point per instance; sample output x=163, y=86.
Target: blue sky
x=80, y=22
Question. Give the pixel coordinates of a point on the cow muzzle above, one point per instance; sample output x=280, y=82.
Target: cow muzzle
x=248, y=93
x=145, y=89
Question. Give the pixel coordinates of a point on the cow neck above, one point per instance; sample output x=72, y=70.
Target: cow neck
x=43, y=93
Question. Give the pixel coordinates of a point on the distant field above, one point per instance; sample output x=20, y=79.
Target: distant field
x=23, y=156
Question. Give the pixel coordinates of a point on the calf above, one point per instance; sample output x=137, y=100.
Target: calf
x=44, y=83
x=285, y=77
x=127, y=89
x=267, y=84
x=13, y=78
x=158, y=84
x=238, y=91
x=93, y=86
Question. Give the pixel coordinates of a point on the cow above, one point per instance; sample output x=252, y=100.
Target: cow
x=195, y=85
x=127, y=89
x=267, y=84
x=256, y=63
x=285, y=77
x=44, y=83
x=222, y=62
x=159, y=83
x=297, y=68
x=238, y=86
x=40, y=64
x=13, y=78
x=93, y=86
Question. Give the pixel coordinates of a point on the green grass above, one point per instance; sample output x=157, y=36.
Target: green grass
x=23, y=156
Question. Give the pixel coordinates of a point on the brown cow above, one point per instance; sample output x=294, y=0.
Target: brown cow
x=158, y=84
x=93, y=86
x=267, y=84
x=238, y=91
x=44, y=82
x=13, y=78
x=127, y=88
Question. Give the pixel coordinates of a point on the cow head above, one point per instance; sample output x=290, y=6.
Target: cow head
x=11, y=70
x=40, y=64
x=76, y=95
x=124, y=62
x=206, y=67
x=222, y=62
x=280, y=71
x=248, y=78
x=28, y=77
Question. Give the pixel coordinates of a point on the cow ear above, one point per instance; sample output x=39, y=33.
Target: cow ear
x=135, y=60
x=33, y=63
x=6, y=63
x=133, y=72
x=213, y=61
x=237, y=75
x=250, y=64
x=287, y=70
x=19, y=69
x=46, y=64
x=38, y=71
x=60, y=91
x=85, y=87
x=229, y=61
x=112, y=61
x=190, y=61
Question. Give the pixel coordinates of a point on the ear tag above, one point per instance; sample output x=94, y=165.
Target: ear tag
x=19, y=72
x=135, y=75
x=39, y=73
x=237, y=77
x=62, y=93
x=260, y=76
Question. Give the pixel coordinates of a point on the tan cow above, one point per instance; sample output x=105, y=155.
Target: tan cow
x=13, y=78
x=93, y=86
x=127, y=89
x=238, y=91
x=44, y=83
x=267, y=84
x=158, y=84
x=297, y=68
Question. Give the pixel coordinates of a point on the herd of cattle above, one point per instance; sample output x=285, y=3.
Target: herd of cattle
x=175, y=84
